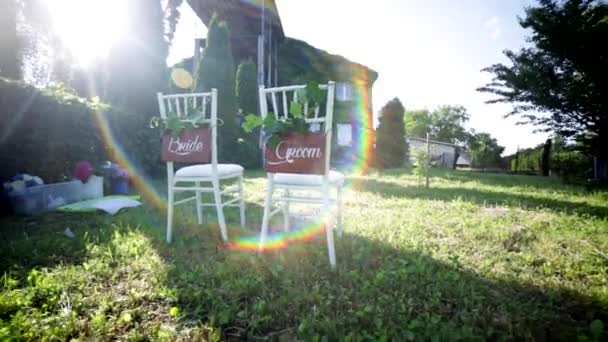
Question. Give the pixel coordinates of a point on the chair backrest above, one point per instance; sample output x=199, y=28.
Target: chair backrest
x=183, y=105
x=279, y=99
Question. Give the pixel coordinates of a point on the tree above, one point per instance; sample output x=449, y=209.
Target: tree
x=560, y=83
x=247, y=99
x=485, y=151
x=418, y=123
x=10, y=65
x=391, y=148
x=546, y=159
x=216, y=70
x=445, y=124
x=247, y=87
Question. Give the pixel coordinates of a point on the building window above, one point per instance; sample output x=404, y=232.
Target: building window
x=344, y=91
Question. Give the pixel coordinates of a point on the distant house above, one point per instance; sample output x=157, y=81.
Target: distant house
x=442, y=154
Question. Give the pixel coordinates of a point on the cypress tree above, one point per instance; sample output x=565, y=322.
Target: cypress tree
x=391, y=148
x=247, y=87
x=250, y=154
x=216, y=70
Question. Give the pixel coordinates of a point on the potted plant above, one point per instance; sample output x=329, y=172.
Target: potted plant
x=117, y=178
x=290, y=146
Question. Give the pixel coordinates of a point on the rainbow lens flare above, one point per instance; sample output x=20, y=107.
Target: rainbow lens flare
x=278, y=240
x=138, y=178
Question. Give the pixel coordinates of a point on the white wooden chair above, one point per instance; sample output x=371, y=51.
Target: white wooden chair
x=193, y=177
x=320, y=186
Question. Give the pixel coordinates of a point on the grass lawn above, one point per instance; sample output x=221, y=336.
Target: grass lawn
x=476, y=257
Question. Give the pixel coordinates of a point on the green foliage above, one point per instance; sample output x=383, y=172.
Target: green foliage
x=478, y=257
x=48, y=131
x=247, y=87
x=391, y=148
x=485, y=151
x=559, y=83
x=295, y=122
x=299, y=62
x=216, y=70
x=176, y=125
x=420, y=164
x=417, y=123
x=529, y=159
x=546, y=158
x=571, y=166
x=445, y=124
x=448, y=124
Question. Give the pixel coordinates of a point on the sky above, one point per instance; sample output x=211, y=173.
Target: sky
x=427, y=53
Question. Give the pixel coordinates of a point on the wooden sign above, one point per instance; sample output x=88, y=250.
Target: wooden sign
x=191, y=146
x=297, y=153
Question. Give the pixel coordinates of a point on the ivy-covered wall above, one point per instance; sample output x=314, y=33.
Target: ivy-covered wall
x=299, y=62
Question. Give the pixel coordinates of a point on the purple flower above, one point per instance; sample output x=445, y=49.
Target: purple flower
x=121, y=172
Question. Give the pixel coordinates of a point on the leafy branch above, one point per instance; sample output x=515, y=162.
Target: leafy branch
x=175, y=124
x=294, y=123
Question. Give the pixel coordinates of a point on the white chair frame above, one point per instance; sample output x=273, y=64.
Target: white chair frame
x=324, y=186
x=182, y=104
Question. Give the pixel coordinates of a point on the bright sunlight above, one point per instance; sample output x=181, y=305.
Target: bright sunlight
x=88, y=28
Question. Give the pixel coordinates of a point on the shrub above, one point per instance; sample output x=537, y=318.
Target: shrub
x=571, y=166
x=419, y=169
x=45, y=132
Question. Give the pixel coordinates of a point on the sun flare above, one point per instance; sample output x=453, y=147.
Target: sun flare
x=88, y=28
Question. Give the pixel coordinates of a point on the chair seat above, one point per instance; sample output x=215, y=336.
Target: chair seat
x=335, y=178
x=223, y=170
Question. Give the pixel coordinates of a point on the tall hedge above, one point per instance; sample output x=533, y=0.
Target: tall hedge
x=391, y=148
x=45, y=132
x=216, y=70
x=249, y=154
x=247, y=87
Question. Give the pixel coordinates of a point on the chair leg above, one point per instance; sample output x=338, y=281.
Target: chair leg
x=220, y=210
x=331, y=248
x=340, y=207
x=286, y=212
x=266, y=217
x=242, y=202
x=169, y=213
x=199, y=206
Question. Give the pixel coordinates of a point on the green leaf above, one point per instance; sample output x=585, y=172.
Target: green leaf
x=252, y=122
x=314, y=94
x=269, y=120
x=295, y=109
x=174, y=312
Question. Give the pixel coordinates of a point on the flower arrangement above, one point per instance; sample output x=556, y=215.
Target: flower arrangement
x=115, y=171
x=116, y=178
x=83, y=170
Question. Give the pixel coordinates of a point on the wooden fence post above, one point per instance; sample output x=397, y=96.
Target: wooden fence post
x=428, y=159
